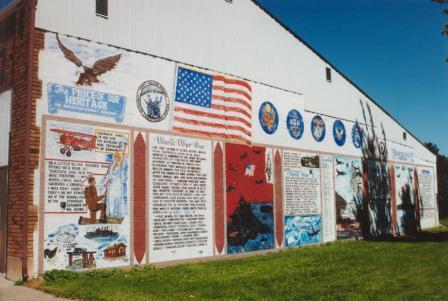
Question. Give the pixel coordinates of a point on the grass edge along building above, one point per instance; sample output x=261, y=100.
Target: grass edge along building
x=146, y=132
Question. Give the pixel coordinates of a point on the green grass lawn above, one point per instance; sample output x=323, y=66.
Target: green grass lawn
x=444, y=221
x=411, y=268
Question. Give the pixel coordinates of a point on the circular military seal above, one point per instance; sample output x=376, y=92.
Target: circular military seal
x=268, y=117
x=153, y=101
x=294, y=123
x=318, y=128
x=339, y=132
x=357, y=135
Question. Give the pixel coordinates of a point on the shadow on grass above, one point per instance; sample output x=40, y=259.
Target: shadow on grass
x=423, y=236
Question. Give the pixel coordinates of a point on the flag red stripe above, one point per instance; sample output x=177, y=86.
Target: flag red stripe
x=211, y=135
x=232, y=99
x=230, y=90
x=232, y=81
x=212, y=115
x=231, y=109
x=213, y=124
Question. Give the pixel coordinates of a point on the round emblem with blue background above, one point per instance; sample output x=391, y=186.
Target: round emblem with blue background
x=295, y=125
x=318, y=128
x=339, y=132
x=357, y=135
x=268, y=117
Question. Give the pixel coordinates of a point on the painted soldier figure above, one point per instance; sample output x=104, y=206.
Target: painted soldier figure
x=92, y=200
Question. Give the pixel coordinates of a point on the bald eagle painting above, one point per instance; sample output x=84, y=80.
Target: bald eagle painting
x=89, y=75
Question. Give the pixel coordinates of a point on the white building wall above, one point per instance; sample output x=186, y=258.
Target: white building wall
x=238, y=39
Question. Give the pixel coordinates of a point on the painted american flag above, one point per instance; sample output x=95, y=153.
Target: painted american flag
x=212, y=106
x=250, y=170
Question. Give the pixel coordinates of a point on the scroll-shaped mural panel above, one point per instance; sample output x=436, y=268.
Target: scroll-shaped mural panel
x=303, y=223
x=181, y=213
x=86, y=197
x=219, y=198
x=349, y=197
x=278, y=198
x=249, y=181
x=139, y=190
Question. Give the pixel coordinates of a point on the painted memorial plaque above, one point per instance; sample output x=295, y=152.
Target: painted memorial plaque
x=328, y=205
x=181, y=214
x=86, y=197
x=426, y=186
x=249, y=180
x=349, y=197
x=302, y=198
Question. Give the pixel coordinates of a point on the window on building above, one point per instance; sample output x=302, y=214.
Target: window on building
x=102, y=8
x=404, y=135
x=328, y=74
x=5, y=126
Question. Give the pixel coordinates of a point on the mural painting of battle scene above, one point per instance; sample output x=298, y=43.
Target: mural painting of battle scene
x=249, y=189
x=349, y=197
x=408, y=199
x=86, y=197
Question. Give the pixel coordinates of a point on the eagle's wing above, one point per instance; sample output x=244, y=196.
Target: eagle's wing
x=68, y=54
x=103, y=65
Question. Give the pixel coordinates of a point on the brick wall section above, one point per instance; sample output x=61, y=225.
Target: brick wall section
x=14, y=40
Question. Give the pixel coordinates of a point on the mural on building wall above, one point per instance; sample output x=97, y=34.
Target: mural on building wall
x=212, y=106
x=268, y=117
x=295, y=124
x=181, y=204
x=86, y=197
x=249, y=180
x=379, y=197
x=426, y=187
x=318, y=128
x=153, y=101
x=302, y=230
x=302, y=183
x=101, y=83
x=77, y=98
x=339, y=133
x=349, y=197
x=407, y=199
x=328, y=198
x=62, y=97
x=357, y=135
x=88, y=75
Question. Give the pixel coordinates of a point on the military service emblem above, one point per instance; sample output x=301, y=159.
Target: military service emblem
x=268, y=117
x=152, y=101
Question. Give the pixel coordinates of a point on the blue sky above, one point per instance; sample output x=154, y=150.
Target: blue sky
x=392, y=49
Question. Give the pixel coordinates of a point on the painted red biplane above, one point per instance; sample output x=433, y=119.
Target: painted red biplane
x=74, y=141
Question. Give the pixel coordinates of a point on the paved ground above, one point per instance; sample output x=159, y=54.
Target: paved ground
x=11, y=292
